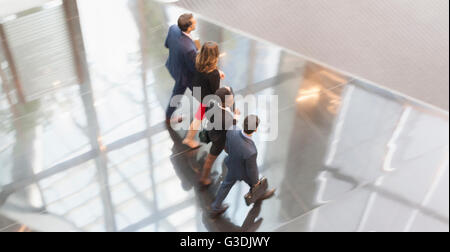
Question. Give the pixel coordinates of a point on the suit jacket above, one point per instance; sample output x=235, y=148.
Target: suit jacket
x=242, y=156
x=182, y=54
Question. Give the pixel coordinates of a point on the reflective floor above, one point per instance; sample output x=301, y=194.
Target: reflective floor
x=83, y=146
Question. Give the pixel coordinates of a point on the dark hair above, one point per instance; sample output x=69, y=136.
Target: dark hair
x=184, y=22
x=222, y=93
x=251, y=124
x=208, y=58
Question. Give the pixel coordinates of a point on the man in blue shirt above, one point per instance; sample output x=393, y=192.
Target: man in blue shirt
x=242, y=166
x=181, y=61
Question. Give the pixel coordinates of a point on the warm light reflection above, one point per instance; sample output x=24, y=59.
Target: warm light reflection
x=23, y=229
x=222, y=55
x=102, y=147
x=308, y=94
x=57, y=83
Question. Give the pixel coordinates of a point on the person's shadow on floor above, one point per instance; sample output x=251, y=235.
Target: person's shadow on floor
x=187, y=167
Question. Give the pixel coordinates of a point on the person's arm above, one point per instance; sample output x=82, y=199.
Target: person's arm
x=212, y=86
x=214, y=82
x=251, y=167
x=233, y=108
x=229, y=121
x=227, y=143
x=189, y=59
x=222, y=75
x=166, y=44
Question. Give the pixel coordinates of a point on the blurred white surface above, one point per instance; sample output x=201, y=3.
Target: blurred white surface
x=10, y=7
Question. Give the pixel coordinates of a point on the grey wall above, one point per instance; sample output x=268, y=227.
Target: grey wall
x=399, y=44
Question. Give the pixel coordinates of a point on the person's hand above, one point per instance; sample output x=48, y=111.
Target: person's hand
x=237, y=112
x=198, y=44
x=222, y=75
x=255, y=186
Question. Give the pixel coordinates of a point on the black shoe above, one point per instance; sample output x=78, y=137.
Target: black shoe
x=218, y=212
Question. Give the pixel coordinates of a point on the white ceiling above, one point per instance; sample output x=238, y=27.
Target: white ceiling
x=399, y=44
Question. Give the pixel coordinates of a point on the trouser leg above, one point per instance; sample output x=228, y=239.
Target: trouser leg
x=175, y=99
x=210, y=159
x=224, y=190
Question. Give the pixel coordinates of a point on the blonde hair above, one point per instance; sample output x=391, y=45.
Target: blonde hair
x=208, y=58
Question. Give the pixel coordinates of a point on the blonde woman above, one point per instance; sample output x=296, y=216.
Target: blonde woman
x=207, y=78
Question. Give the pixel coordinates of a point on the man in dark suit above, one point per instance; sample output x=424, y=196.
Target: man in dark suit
x=241, y=164
x=181, y=61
